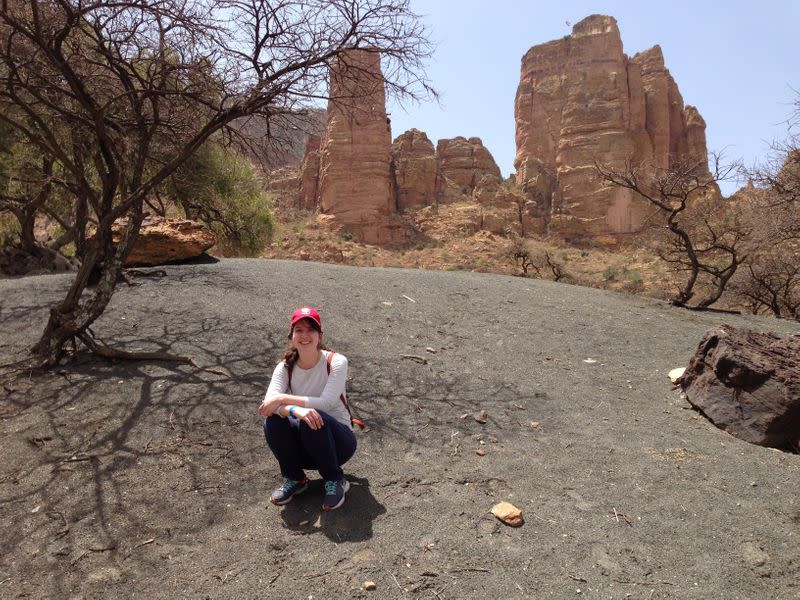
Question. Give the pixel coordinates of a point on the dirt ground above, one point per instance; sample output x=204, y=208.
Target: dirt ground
x=127, y=480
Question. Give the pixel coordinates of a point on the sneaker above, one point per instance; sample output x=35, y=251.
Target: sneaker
x=334, y=493
x=289, y=488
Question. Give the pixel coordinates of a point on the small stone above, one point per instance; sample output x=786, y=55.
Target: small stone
x=492, y=439
x=480, y=452
x=533, y=424
x=675, y=374
x=431, y=350
x=508, y=514
x=481, y=417
x=370, y=586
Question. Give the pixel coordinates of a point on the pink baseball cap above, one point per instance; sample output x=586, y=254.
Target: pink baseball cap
x=306, y=312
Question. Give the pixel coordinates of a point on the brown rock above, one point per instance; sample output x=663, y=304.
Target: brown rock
x=465, y=162
x=507, y=210
x=15, y=261
x=309, y=174
x=163, y=240
x=355, y=184
x=508, y=514
x=748, y=383
x=282, y=184
x=452, y=192
x=418, y=179
x=693, y=145
x=581, y=100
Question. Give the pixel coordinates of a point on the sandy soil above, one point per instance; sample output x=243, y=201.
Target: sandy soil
x=151, y=480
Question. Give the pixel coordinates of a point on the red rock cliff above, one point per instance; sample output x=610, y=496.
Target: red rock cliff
x=355, y=185
x=581, y=100
x=416, y=169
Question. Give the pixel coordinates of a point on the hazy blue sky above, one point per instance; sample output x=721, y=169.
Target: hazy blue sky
x=737, y=62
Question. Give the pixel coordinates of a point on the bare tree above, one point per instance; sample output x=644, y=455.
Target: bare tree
x=779, y=174
x=771, y=282
x=535, y=264
x=120, y=94
x=704, y=238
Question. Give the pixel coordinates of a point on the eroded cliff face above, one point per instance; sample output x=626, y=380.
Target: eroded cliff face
x=309, y=174
x=465, y=162
x=418, y=178
x=582, y=101
x=355, y=190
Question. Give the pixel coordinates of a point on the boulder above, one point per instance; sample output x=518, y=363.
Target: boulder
x=748, y=383
x=581, y=100
x=163, y=240
x=464, y=162
x=356, y=191
x=418, y=179
x=14, y=261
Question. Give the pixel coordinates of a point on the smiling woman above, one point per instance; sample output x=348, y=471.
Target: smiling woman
x=307, y=420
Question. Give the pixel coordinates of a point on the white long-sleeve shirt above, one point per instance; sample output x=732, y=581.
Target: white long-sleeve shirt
x=320, y=390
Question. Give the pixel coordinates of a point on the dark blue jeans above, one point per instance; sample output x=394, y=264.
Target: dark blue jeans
x=298, y=447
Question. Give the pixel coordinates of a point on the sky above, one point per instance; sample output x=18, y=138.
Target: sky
x=737, y=62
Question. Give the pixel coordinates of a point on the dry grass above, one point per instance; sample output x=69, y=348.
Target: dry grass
x=444, y=239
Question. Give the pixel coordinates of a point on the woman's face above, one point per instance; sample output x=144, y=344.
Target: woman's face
x=305, y=337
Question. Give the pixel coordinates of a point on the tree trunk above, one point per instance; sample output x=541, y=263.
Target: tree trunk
x=26, y=234
x=70, y=319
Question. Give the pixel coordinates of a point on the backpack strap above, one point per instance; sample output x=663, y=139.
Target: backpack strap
x=353, y=420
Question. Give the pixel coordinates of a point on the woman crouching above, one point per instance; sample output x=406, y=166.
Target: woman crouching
x=308, y=423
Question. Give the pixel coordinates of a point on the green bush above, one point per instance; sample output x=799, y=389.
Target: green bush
x=610, y=273
x=634, y=283
x=634, y=276
x=222, y=189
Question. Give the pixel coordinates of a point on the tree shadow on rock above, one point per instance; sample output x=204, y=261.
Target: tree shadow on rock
x=350, y=523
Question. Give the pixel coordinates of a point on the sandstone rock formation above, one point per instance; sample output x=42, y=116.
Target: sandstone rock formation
x=581, y=100
x=283, y=183
x=418, y=178
x=309, y=174
x=163, y=240
x=464, y=162
x=748, y=383
x=356, y=193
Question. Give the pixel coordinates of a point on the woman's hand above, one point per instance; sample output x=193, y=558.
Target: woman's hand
x=309, y=416
x=268, y=407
